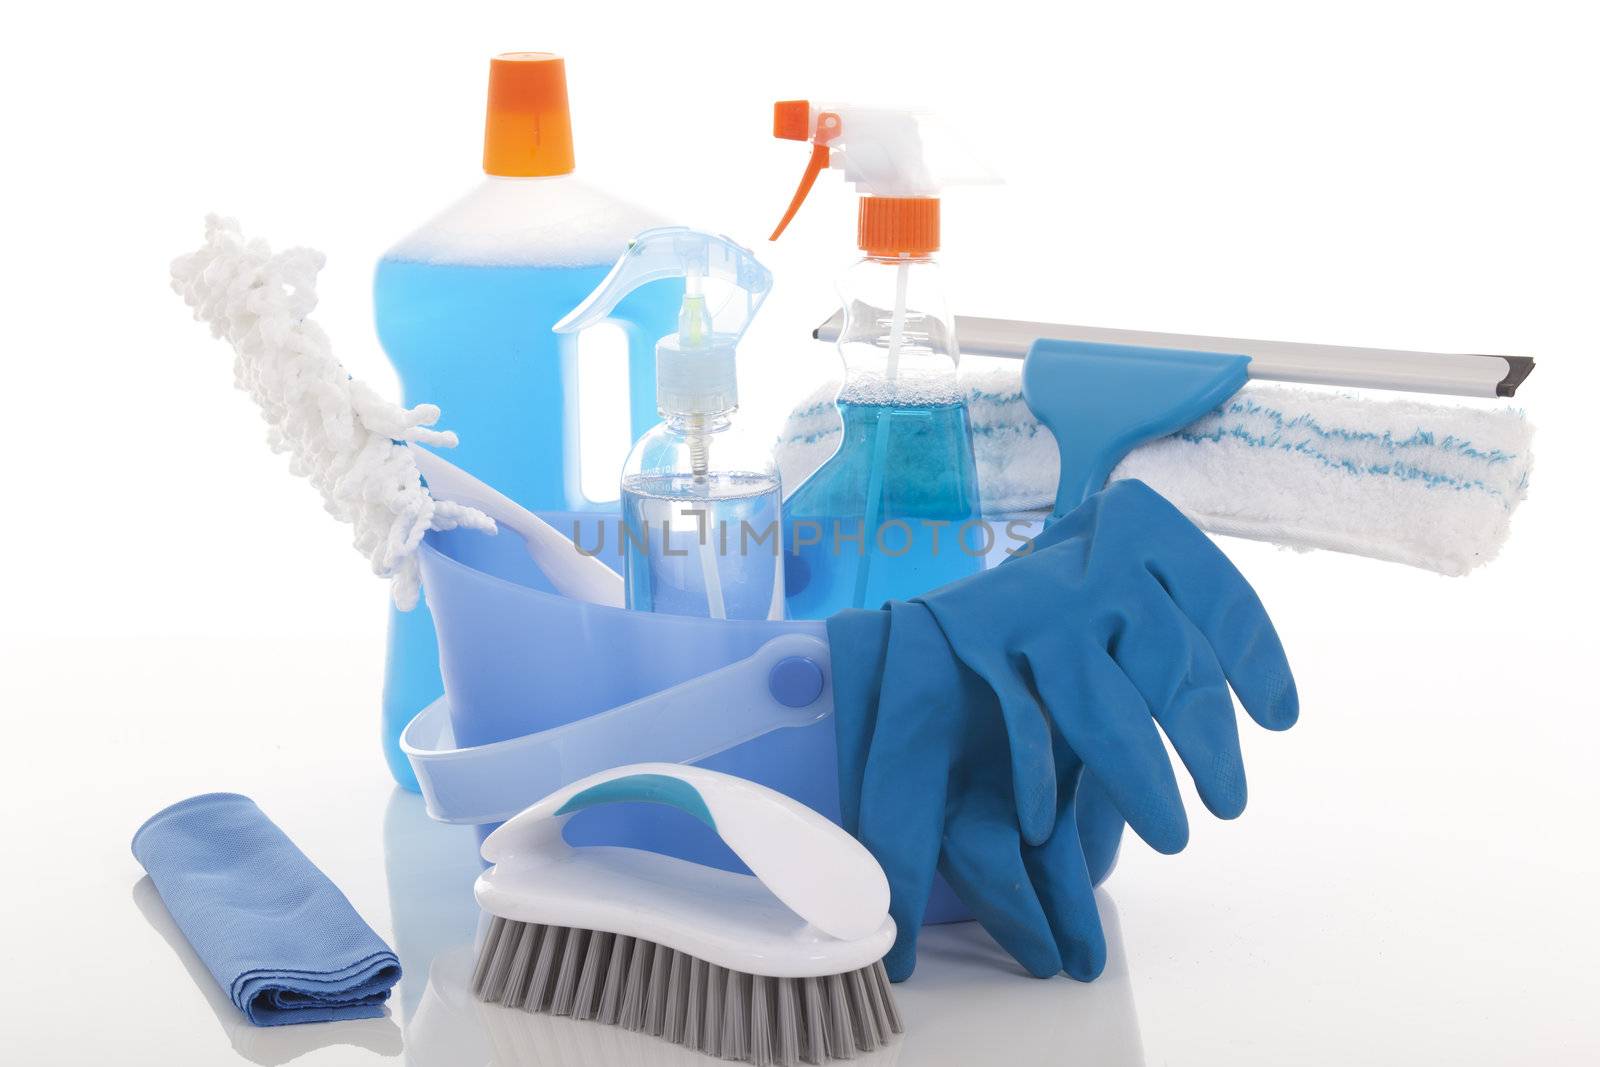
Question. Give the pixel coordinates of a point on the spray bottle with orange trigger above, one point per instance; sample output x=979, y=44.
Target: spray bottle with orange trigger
x=895, y=511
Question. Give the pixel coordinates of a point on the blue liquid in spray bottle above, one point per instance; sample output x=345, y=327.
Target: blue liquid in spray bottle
x=895, y=512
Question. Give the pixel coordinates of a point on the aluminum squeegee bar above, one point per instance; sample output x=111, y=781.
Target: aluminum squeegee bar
x=1279, y=361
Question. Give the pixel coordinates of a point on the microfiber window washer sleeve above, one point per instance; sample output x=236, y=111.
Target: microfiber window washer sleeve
x=269, y=926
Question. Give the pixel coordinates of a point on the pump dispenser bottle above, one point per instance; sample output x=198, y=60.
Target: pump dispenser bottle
x=700, y=525
x=895, y=511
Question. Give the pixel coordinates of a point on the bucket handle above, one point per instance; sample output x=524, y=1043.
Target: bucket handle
x=784, y=683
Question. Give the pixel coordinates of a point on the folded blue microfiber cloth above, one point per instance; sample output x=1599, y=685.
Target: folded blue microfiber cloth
x=269, y=926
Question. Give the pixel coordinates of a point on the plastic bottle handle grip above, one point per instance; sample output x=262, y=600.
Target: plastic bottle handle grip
x=815, y=868
x=642, y=414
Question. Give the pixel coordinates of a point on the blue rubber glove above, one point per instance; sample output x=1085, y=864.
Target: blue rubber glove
x=1124, y=615
x=922, y=785
x=1121, y=617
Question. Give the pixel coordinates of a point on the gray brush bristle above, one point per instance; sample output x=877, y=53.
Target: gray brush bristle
x=694, y=996
x=711, y=1036
x=566, y=989
x=866, y=1027
x=786, y=1043
x=813, y=1044
x=541, y=981
x=655, y=1012
x=616, y=977
x=523, y=941
x=836, y=1027
x=586, y=999
x=486, y=955
x=634, y=986
x=640, y=985
x=677, y=999
x=736, y=1017
x=760, y=1026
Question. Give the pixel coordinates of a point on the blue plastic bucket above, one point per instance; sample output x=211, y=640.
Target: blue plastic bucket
x=518, y=659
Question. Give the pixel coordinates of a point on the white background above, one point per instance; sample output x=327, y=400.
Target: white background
x=1411, y=883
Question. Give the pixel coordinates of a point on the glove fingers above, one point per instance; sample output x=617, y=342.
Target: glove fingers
x=1107, y=723
x=908, y=902
x=1204, y=730
x=1060, y=876
x=1209, y=589
x=1027, y=727
x=858, y=642
x=1032, y=768
x=1177, y=674
x=1235, y=625
x=902, y=811
x=982, y=861
x=1066, y=896
x=1099, y=828
x=914, y=743
x=901, y=816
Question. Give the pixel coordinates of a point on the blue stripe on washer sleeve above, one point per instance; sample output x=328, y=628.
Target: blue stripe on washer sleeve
x=1399, y=466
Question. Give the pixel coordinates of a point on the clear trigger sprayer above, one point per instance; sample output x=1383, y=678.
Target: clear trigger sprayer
x=700, y=498
x=895, y=511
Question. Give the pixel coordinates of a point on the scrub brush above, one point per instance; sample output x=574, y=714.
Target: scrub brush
x=781, y=966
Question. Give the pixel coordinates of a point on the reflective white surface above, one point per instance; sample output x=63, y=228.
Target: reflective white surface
x=1411, y=882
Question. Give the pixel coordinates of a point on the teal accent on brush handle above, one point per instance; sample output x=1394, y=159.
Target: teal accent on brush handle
x=646, y=789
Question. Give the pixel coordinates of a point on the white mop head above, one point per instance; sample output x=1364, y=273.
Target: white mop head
x=348, y=440
x=1425, y=484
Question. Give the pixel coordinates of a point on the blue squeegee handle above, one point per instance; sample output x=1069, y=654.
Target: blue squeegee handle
x=1101, y=401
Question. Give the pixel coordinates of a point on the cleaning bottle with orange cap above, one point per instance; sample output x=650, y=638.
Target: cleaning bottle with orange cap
x=895, y=511
x=465, y=306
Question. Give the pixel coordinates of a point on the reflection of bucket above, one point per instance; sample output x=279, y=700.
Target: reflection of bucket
x=518, y=659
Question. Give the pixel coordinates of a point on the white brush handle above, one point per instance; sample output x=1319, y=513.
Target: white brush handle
x=572, y=573
x=821, y=873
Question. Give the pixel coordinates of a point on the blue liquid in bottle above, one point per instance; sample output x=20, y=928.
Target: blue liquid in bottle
x=677, y=526
x=476, y=340
x=893, y=514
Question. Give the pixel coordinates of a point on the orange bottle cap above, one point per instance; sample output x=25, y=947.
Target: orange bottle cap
x=892, y=226
x=528, y=132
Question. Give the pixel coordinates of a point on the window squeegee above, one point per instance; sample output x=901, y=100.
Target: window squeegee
x=1280, y=361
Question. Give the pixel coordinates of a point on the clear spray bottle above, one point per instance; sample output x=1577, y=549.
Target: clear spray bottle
x=895, y=511
x=701, y=532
